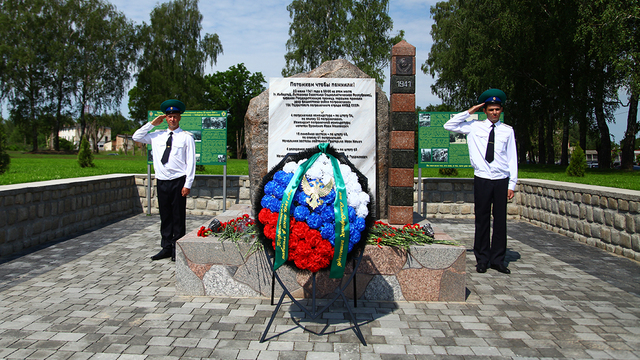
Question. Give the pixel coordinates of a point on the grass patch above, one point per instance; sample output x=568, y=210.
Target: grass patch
x=39, y=167
x=611, y=178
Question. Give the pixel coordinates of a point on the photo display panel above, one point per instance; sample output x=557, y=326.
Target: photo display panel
x=440, y=148
x=209, y=130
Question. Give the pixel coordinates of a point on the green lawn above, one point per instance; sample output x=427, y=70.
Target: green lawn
x=612, y=178
x=39, y=167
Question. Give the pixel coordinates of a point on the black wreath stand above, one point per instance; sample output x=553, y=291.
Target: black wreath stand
x=313, y=314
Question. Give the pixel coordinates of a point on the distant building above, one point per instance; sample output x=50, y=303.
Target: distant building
x=123, y=143
x=72, y=134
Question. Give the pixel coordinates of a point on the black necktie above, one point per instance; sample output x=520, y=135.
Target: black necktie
x=492, y=135
x=167, y=150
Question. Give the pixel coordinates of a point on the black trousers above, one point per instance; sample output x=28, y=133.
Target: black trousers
x=173, y=211
x=486, y=193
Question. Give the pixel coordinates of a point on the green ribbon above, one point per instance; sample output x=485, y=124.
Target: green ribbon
x=340, y=209
x=341, y=213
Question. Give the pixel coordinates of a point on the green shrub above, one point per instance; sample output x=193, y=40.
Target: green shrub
x=85, y=156
x=66, y=145
x=448, y=171
x=200, y=168
x=578, y=164
x=5, y=160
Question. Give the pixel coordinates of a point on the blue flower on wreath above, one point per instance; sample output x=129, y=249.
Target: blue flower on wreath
x=301, y=197
x=330, y=197
x=358, y=224
x=354, y=237
x=271, y=203
x=273, y=189
x=314, y=220
x=300, y=213
x=282, y=178
x=328, y=232
x=352, y=214
x=328, y=215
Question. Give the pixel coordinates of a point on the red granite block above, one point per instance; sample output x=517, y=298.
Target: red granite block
x=394, y=68
x=403, y=48
x=400, y=215
x=383, y=260
x=402, y=140
x=420, y=284
x=400, y=177
x=403, y=102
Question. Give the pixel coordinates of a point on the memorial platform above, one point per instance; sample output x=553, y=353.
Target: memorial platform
x=97, y=295
x=206, y=266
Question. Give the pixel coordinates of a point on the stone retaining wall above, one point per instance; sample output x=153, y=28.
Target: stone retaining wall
x=450, y=198
x=605, y=217
x=34, y=213
x=206, y=193
x=608, y=218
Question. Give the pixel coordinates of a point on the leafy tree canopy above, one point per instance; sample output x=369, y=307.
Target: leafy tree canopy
x=356, y=30
x=232, y=90
x=173, y=60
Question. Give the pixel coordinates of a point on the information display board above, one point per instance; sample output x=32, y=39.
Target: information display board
x=209, y=129
x=439, y=147
x=304, y=112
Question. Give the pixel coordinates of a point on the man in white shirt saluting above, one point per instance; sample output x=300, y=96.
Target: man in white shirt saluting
x=493, y=155
x=174, y=159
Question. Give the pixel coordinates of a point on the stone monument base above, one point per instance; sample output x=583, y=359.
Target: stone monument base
x=205, y=266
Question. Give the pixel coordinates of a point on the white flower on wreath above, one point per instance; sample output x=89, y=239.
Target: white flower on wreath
x=323, y=171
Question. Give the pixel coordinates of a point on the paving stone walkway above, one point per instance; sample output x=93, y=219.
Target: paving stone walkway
x=98, y=296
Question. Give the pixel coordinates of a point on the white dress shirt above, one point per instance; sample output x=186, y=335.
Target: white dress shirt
x=182, y=158
x=505, y=161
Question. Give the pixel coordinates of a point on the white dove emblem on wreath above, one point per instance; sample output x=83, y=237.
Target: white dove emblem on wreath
x=315, y=191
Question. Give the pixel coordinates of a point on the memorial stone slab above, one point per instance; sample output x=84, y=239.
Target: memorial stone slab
x=257, y=130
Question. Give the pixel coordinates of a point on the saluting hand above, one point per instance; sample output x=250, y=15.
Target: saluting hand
x=475, y=108
x=158, y=120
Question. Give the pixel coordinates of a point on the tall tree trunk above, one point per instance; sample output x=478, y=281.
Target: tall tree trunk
x=551, y=155
x=564, y=158
x=583, y=127
x=542, y=154
x=56, y=126
x=630, y=135
x=239, y=144
x=34, y=126
x=604, y=151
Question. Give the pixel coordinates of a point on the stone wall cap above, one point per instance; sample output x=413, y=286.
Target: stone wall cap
x=439, y=180
x=63, y=182
x=624, y=194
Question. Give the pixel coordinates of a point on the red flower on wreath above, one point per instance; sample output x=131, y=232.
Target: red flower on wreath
x=313, y=253
x=307, y=249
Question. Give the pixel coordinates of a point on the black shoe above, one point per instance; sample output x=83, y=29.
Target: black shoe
x=163, y=254
x=481, y=268
x=501, y=268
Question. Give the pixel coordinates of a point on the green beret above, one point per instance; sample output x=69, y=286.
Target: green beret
x=493, y=96
x=172, y=106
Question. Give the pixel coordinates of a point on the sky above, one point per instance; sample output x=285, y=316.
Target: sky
x=255, y=33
